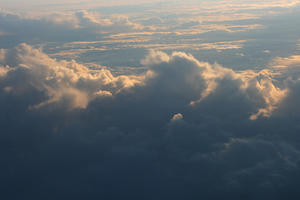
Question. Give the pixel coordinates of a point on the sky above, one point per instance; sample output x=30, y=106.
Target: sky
x=150, y=100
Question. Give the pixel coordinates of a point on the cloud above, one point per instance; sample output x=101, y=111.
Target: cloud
x=177, y=77
x=67, y=26
x=72, y=131
x=292, y=61
x=177, y=117
x=117, y=23
x=58, y=81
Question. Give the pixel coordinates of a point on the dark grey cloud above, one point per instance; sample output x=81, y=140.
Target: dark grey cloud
x=183, y=130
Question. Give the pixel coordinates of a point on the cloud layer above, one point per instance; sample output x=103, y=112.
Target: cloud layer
x=64, y=26
x=183, y=129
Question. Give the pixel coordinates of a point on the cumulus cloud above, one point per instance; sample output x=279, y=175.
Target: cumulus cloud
x=27, y=69
x=178, y=77
x=183, y=129
x=177, y=117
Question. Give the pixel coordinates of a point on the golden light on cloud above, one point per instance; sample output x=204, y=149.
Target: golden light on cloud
x=272, y=96
x=292, y=61
x=149, y=99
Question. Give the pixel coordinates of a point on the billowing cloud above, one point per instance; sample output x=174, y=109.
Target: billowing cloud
x=57, y=80
x=178, y=77
x=214, y=116
x=183, y=129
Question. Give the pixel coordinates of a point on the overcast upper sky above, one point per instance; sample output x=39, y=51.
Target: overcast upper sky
x=151, y=100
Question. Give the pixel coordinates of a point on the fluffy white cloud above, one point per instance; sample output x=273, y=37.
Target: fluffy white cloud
x=178, y=77
x=196, y=81
x=25, y=68
x=177, y=117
